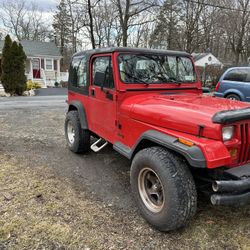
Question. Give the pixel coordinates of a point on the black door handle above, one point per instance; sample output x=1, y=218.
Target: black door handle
x=92, y=92
x=109, y=95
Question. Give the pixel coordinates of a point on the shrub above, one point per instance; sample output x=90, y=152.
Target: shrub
x=56, y=84
x=32, y=85
x=210, y=75
x=64, y=84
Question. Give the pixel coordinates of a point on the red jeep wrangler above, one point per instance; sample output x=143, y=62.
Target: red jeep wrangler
x=149, y=104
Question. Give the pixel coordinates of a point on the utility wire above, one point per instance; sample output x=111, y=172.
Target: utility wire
x=217, y=6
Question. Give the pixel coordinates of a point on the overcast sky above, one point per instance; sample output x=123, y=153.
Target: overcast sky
x=45, y=5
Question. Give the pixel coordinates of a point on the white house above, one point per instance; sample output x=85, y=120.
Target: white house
x=43, y=62
x=205, y=59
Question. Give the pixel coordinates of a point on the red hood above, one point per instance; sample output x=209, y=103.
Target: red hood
x=181, y=112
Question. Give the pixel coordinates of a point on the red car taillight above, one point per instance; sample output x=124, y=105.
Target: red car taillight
x=217, y=86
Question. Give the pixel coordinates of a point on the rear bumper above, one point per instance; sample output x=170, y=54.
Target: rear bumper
x=231, y=200
x=218, y=94
x=235, y=190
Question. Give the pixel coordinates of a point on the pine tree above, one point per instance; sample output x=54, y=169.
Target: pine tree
x=20, y=68
x=61, y=25
x=13, y=67
x=6, y=66
x=166, y=32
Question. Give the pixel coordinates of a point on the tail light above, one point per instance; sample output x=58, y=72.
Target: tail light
x=217, y=86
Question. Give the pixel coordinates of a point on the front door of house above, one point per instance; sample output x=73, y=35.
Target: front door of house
x=36, y=68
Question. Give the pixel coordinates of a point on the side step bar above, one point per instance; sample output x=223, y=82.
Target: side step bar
x=98, y=145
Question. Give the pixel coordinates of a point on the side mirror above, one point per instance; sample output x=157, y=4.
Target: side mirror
x=206, y=90
x=99, y=79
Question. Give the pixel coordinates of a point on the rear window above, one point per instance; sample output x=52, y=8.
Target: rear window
x=238, y=75
x=78, y=72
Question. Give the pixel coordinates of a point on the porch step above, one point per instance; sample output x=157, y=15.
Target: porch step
x=41, y=82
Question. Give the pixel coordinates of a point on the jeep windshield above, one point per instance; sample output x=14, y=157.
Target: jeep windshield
x=155, y=69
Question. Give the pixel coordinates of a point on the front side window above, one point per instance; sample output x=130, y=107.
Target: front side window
x=102, y=72
x=49, y=64
x=155, y=69
x=238, y=75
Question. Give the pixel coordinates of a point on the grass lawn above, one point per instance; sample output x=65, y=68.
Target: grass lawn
x=40, y=211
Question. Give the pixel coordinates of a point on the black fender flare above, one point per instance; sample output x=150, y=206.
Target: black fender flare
x=77, y=105
x=193, y=154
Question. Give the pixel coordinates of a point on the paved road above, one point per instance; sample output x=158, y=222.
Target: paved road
x=32, y=128
x=51, y=91
x=20, y=102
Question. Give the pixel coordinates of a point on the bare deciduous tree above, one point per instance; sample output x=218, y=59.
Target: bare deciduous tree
x=24, y=21
x=236, y=26
x=128, y=11
x=219, y=26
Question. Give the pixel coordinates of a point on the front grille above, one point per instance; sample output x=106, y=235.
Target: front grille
x=244, y=156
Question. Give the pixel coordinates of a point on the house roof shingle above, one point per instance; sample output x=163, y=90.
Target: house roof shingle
x=35, y=48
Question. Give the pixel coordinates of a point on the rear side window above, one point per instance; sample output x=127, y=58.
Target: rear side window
x=78, y=72
x=238, y=75
x=82, y=73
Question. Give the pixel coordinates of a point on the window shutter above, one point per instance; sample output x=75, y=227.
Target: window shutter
x=55, y=64
x=42, y=63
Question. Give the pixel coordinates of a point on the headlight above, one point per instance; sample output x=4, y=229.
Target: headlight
x=227, y=133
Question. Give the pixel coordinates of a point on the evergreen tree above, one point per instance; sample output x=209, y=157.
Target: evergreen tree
x=20, y=59
x=13, y=67
x=166, y=33
x=61, y=25
x=6, y=66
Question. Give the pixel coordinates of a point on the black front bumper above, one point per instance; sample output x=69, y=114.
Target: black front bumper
x=235, y=189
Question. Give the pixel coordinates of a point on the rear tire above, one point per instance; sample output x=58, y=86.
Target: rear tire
x=78, y=139
x=163, y=188
x=233, y=97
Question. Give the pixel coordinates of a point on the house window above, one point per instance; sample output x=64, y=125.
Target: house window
x=49, y=64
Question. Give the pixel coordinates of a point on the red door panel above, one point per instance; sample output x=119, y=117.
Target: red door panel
x=102, y=106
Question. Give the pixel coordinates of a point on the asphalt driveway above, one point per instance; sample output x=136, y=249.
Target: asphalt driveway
x=32, y=139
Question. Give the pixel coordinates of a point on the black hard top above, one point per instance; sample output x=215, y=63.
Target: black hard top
x=133, y=50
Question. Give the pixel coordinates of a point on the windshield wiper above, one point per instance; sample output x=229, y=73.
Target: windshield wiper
x=134, y=77
x=180, y=82
x=174, y=80
x=169, y=80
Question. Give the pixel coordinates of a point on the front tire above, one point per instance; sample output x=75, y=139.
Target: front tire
x=163, y=188
x=78, y=139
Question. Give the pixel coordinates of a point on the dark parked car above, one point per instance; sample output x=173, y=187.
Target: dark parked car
x=235, y=84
